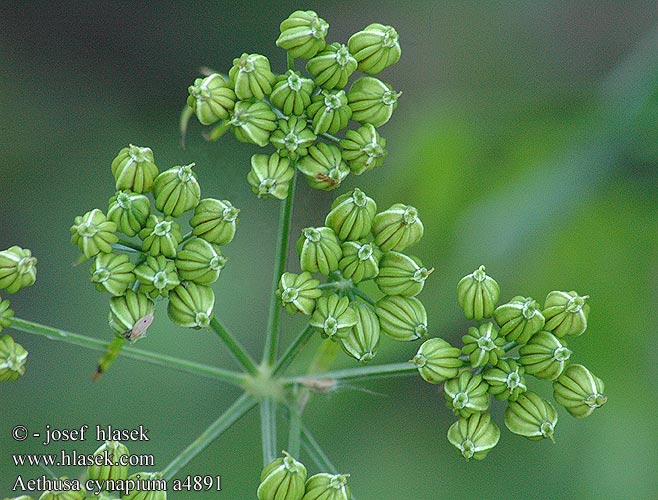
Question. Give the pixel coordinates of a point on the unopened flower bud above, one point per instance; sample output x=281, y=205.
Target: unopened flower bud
x=283, y=479
x=176, y=191
x=332, y=67
x=270, y=176
x=544, y=356
x=12, y=359
x=93, y=233
x=215, y=221
x=134, y=169
x=323, y=167
x=375, y=48
x=566, y=313
x=351, y=215
x=372, y=101
x=146, y=494
x=579, y=391
x=5, y=314
x=397, y=228
x=303, y=34
x=161, y=236
x=251, y=76
x=127, y=310
x=474, y=436
x=333, y=317
x=360, y=261
x=506, y=380
x=467, y=394
x=64, y=494
x=477, y=294
x=437, y=360
x=298, y=292
x=363, y=339
x=319, y=250
x=402, y=318
x=292, y=93
x=325, y=486
x=211, y=98
x=329, y=111
x=191, y=305
x=293, y=137
x=519, y=319
x=482, y=345
x=199, y=261
x=113, y=273
x=401, y=274
x=253, y=122
x=157, y=276
x=117, y=471
x=18, y=269
x=129, y=212
x=363, y=149
x=531, y=416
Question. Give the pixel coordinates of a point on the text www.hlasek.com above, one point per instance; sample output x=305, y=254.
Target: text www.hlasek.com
x=73, y=458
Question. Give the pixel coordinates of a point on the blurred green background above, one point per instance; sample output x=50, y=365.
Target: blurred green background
x=527, y=137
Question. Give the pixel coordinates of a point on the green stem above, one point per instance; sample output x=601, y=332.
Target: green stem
x=294, y=430
x=316, y=452
x=239, y=352
x=358, y=374
x=127, y=245
x=290, y=61
x=268, y=429
x=330, y=137
x=294, y=348
x=364, y=296
x=241, y=406
x=129, y=352
x=285, y=216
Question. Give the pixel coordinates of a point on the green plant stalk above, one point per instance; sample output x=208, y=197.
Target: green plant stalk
x=293, y=349
x=239, y=352
x=358, y=374
x=316, y=452
x=294, y=429
x=129, y=352
x=241, y=406
x=268, y=429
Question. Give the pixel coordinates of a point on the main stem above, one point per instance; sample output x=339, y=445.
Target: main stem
x=239, y=352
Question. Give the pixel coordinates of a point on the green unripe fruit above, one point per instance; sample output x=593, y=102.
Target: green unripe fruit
x=191, y=305
x=199, y=261
x=437, y=361
x=519, y=319
x=293, y=137
x=129, y=212
x=467, y=394
x=251, y=76
x=482, y=345
x=157, y=276
x=332, y=67
x=397, y=228
x=253, y=122
x=298, y=292
x=325, y=486
x=12, y=359
x=215, y=221
x=323, y=167
x=531, y=416
x=474, y=436
x=112, y=273
x=64, y=495
x=478, y=294
x=351, y=215
x=506, y=380
x=544, y=356
x=5, y=314
x=566, y=313
x=126, y=311
x=333, y=317
x=161, y=236
x=292, y=93
x=116, y=471
x=134, y=169
x=401, y=274
x=360, y=261
x=303, y=34
x=18, y=269
x=579, y=391
x=211, y=98
x=363, y=149
x=270, y=176
x=283, y=479
x=372, y=101
x=176, y=191
x=93, y=234
x=150, y=494
x=363, y=339
x=319, y=250
x=402, y=318
x=375, y=48
x=329, y=111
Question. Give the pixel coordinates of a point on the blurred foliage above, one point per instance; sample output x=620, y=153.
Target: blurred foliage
x=509, y=139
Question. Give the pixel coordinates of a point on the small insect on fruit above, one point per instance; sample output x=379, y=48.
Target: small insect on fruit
x=139, y=328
